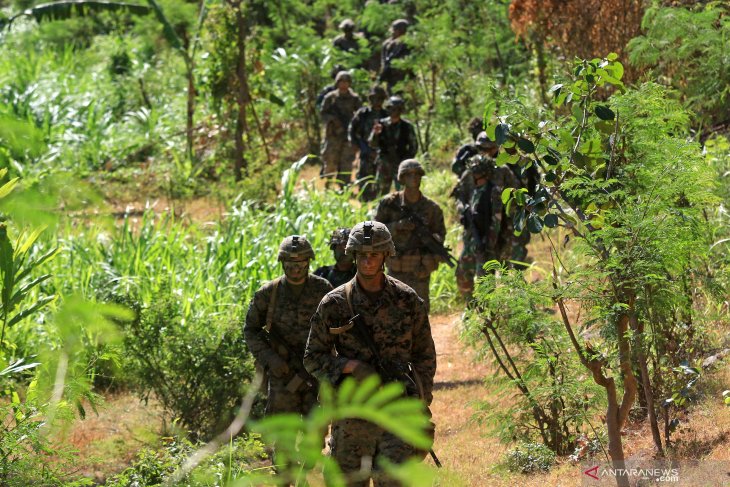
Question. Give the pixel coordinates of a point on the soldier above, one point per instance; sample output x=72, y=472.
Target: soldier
x=359, y=133
x=347, y=41
x=487, y=228
x=344, y=268
x=338, y=107
x=414, y=221
x=395, y=139
x=394, y=48
x=277, y=326
x=396, y=321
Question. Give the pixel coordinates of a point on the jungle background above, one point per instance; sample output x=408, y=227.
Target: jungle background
x=153, y=155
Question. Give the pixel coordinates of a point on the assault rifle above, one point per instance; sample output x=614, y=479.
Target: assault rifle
x=390, y=371
x=427, y=239
x=301, y=376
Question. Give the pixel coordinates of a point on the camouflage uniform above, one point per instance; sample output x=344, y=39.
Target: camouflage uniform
x=527, y=178
x=394, y=48
x=335, y=276
x=346, y=41
x=487, y=229
x=413, y=263
x=337, y=152
x=395, y=143
x=290, y=320
x=399, y=324
x=359, y=133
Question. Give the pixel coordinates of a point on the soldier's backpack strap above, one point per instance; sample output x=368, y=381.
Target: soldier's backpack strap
x=272, y=305
x=348, y=297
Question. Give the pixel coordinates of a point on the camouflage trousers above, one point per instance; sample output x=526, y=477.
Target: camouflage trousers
x=419, y=284
x=281, y=400
x=366, y=169
x=355, y=444
x=338, y=155
x=386, y=174
x=471, y=265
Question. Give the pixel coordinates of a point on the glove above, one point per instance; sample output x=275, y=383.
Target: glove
x=362, y=371
x=278, y=367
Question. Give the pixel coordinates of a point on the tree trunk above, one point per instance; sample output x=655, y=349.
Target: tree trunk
x=613, y=425
x=189, y=67
x=646, y=384
x=240, y=165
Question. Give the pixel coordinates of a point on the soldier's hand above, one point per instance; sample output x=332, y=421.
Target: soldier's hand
x=278, y=367
x=362, y=371
x=377, y=128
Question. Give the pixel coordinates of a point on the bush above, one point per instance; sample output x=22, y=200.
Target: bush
x=530, y=457
x=196, y=366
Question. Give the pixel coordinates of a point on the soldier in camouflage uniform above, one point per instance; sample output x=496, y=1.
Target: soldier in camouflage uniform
x=359, y=133
x=347, y=41
x=395, y=139
x=403, y=212
x=280, y=310
x=394, y=48
x=487, y=228
x=338, y=107
x=344, y=268
x=398, y=323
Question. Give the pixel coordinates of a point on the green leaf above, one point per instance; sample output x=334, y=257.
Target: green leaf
x=7, y=188
x=604, y=113
x=501, y=133
x=612, y=56
x=550, y=176
x=551, y=220
x=506, y=195
x=525, y=145
x=534, y=223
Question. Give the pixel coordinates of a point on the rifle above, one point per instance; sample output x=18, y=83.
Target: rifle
x=427, y=239
x=390, y=371
x=301, y=376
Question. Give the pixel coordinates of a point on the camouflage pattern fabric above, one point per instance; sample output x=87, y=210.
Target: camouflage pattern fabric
x=395, y=143
x=290, y=320
x=413, y=263
x=337, y=152
x=335, y=277
x=488, y=232
x=461, y=159
x=392, y=49
x=345, y=43
x=398, y=323
x=359, y=132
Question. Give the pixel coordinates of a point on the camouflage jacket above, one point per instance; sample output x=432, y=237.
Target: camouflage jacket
x=461, y=159
x=362, y=125
x=392, y=49
x=337, y=111
x=398, y=323
x=343, y=43
x=396, y=142
x=485, y=215
x=393, y=208
x=290, y=317
x=336, y=277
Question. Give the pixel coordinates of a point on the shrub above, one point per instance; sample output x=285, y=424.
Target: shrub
x=530, y=457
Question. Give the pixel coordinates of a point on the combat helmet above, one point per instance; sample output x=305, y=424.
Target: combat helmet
x=377, y=93
x=347, y=24
x=395, y=102
x=410, y=165
x=370, y=236
x=481, y=164
x=400, y=24
x=295, y=247
x=343, y=76
x=484, y=142
x=339, y=237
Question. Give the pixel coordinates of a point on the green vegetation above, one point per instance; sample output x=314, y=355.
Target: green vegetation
x=104, y=105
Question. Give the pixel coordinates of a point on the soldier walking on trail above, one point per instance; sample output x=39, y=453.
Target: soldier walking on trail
x=394, y=48
x=359, y=133
x=277, y=327
x=414, y=221
x=374, y=324
x=347, y=41
x=344, y=267
x=337, y=110
x=395, y=140
x=487, y=227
